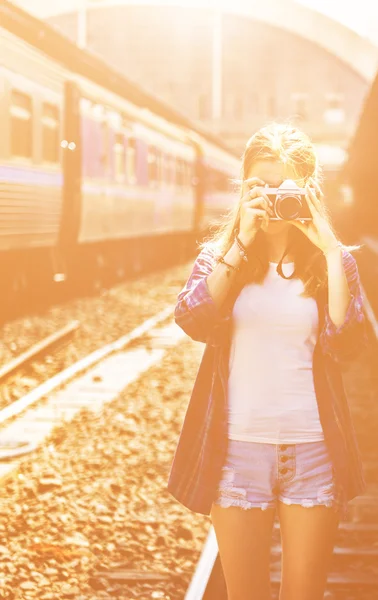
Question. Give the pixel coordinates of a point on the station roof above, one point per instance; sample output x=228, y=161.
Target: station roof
x=59, y=48
x=357, y=52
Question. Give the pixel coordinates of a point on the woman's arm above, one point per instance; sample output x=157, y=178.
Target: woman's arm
x=339, y=295
x=344, y=332
x=198, y=306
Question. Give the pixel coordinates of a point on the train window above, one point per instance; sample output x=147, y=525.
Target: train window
x=164, y=168
x=120, y=157
x=21, y=112
x=173, y=170
x=159, y=166
x=152, y=165
x=334, y=113
x=271, y=106
x=180, y=172
x=300, y=105
x=170, y=169
x=238, y=107
x=131, y=160
x=105, y=147
x=217, y=181
x=203, y=107
x=188, y=175
x=254, y=104
x=50, y=135
x=184, y=173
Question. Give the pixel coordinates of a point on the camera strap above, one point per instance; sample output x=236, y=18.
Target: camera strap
x=279, y=266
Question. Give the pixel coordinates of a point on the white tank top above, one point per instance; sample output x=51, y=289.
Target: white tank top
x=271, y=395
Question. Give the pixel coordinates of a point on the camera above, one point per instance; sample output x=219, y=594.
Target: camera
x=289, y=202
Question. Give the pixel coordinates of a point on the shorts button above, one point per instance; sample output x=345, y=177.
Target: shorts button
x=283, y=447
x=284, y=458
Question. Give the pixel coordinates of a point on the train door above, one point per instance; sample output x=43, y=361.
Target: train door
x=72, y=168
x=199, y=184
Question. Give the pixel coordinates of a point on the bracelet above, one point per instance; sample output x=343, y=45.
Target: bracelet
x=242, y=248
x=220, y=259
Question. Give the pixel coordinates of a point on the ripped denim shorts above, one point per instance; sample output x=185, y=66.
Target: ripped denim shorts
x=260, y=474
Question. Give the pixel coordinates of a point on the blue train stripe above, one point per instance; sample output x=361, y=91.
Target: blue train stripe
x=28, y=176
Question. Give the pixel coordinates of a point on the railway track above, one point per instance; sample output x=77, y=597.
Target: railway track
x=98, y=378
x=14, y=448
x=39, y=349
x=354, y=572
x=64, y=469
x=34, y=415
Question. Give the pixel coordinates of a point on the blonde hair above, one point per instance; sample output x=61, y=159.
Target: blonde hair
x=290, y=146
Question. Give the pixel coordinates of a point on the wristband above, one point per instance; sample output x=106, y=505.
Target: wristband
x=221, y=260
x=242, y=248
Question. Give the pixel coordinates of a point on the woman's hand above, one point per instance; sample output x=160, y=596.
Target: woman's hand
x=318, y=230
x=255, y=209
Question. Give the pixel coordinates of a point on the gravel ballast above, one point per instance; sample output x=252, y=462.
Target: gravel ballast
x=102, y=318
x=93, y=499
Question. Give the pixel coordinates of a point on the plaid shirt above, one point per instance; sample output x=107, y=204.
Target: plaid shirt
x=202, y=445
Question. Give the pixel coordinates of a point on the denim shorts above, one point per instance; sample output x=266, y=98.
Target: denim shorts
x=260, y=474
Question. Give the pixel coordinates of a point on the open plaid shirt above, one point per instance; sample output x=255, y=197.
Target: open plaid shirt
x=202, y=445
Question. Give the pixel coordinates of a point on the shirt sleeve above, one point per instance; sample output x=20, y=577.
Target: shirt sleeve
x=345, y=342
x=195, y=311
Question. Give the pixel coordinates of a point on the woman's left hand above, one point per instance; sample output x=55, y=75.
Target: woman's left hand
x=318, y=230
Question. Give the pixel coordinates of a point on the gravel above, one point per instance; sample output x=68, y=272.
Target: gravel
x=93, y=498
x=103, y=319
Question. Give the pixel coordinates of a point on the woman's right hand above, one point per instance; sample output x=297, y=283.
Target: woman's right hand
x=255, y=210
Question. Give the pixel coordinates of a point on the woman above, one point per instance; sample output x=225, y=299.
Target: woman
x=278, y=304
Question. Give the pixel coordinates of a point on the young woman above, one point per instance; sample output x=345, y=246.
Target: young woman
x=278, y=304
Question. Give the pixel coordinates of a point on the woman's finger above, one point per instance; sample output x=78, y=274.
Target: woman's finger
x=262, y=201
x=254, y=181
x=302, y=226
x=256, y=201
x=315, y=199
x=311, y=205
x=260, y=212
x=258, y=192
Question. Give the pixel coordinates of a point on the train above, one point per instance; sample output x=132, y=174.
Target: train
x=96, y=176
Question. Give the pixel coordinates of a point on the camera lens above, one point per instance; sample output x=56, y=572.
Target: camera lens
x=288, y=207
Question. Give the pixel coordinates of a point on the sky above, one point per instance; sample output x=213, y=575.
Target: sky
x=359, y=15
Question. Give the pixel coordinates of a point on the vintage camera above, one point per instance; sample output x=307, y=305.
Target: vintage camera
x=289, y=202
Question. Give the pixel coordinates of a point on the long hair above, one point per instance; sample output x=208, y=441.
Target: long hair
x=286, y=144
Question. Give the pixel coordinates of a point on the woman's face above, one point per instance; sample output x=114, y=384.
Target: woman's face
x=273, y=173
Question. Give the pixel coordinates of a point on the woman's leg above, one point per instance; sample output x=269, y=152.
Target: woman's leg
x=308, y=535
x=244, y=539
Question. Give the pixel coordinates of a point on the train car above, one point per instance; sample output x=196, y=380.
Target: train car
x=134, y=184
x=31, y=169
x=221, y=173
x=96, y=175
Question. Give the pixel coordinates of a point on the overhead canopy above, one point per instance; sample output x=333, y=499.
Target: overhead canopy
x=59, y=48
x=358, y=53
